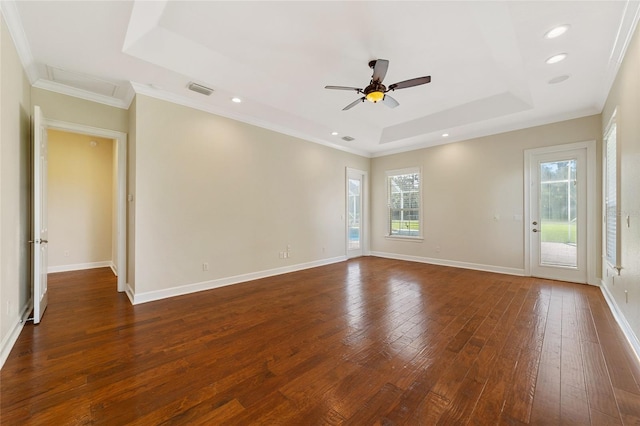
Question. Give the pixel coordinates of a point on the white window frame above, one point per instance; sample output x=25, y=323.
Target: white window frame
x=398, y=172
x=611, y=262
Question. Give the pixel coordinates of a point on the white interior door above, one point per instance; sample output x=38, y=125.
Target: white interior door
x=558, y=214
x=355, y=213
x=40, y=227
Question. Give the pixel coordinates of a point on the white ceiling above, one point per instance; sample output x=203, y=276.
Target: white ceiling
x=486, y=60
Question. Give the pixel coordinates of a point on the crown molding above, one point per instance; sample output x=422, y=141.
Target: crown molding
x=144, y=89
x=11, y=15
x=490, y=131
x=9, y=10
x=628, y=24
x=83, y=94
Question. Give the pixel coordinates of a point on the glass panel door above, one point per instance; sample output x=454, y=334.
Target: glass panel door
x=558, y=213
x=557, y=209
x=354, y=212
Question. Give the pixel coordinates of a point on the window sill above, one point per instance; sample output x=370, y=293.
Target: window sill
x=403, y=238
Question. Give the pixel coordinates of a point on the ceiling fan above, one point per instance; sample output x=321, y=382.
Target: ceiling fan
x=376, y=91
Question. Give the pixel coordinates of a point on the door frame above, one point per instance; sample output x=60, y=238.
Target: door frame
x=40, y=231
x=592, y=203
x=364, y=220
x=120, y=139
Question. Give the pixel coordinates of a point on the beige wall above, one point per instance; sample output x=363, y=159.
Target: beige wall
x=80, y=195
x=625, y=96
x=79, y=111
x=465, y=185
x=15, y=181
x=217, y=191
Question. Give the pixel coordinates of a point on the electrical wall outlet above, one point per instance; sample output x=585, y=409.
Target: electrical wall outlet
x=205, y=266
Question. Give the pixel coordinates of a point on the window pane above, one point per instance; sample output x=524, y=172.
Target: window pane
x=558, y=214
x=611, y=195
x=355, y=214
x=404, y=204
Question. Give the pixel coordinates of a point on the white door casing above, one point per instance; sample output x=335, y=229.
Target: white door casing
x=573, y=260
x=356, y=212
x=120, y=139
x=40, y=230
x=39, y=268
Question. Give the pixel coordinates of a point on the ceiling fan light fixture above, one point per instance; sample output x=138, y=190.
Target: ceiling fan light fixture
x=375, y=96
x=375, y=91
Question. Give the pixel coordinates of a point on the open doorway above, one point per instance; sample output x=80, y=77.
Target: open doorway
x=81, y=194
x=117, y=142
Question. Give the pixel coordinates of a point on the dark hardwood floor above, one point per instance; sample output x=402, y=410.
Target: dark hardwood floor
x=369, y=341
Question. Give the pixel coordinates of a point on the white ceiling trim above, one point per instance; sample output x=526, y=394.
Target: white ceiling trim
x=474, y=133
x=144, y=89
x=628, y=24
x=627, y=27
x=14, y=24
x=147, y=27
x=83, y=94
x=11, y=15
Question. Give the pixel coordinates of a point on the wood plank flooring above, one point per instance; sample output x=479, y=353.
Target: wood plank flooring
x=364, y=342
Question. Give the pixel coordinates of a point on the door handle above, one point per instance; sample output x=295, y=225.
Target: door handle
x=534, y=223
x=44, y=241
x=534, y=230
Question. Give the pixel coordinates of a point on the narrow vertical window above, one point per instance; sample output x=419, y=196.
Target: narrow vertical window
x=404, y=203
x=611, y=195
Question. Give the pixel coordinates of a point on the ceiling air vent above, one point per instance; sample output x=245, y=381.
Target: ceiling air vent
x=348, y=138
x=195, y=87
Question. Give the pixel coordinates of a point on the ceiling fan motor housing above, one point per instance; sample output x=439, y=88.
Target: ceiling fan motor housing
x=375, y=92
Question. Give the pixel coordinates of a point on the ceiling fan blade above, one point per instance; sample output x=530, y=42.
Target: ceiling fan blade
x=380, y=70
x=354, y=103
x=410, y=83
x=343, y=88
x=389, y=101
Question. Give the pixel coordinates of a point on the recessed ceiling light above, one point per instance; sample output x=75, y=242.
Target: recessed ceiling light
x=558, y=79
x=236, y=100
x=556, y=58
x=334, y=133
x=557, y=31
x=445, y=135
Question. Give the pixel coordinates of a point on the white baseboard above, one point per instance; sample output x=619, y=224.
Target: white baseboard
x=10, y=339
x=632, y=338
x=81, y=266
x=208, y=285
x=453, y=263
x=129, y=292
x=114, y=269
